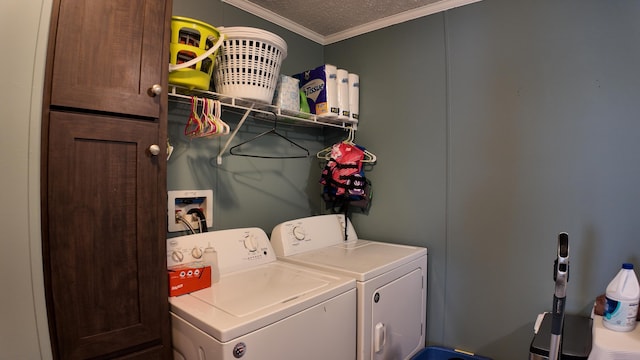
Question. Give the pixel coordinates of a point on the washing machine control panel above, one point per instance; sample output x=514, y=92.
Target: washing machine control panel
x=236, y=248
x=310, y=233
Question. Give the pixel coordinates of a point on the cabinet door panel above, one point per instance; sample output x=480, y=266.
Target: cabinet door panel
x=104, y=246
x=108, y=54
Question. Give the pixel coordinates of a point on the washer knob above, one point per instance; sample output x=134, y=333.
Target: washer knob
x=196, y=253
x=298, y=233
x=250, y=243
x=177, y=256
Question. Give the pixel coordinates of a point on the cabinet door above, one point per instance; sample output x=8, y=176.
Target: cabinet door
x=108, y=54
x=104, y=250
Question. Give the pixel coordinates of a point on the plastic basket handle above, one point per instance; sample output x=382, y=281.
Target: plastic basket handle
x=196, y=60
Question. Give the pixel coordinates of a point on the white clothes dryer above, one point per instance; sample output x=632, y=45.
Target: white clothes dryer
x=261, y=308
x=391, y=281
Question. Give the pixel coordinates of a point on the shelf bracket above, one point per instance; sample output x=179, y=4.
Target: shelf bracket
x=233, y=134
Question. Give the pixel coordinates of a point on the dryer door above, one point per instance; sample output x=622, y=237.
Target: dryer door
x=397, y=318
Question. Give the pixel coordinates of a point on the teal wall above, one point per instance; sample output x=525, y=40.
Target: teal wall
x=403, y=76
x=496, y=125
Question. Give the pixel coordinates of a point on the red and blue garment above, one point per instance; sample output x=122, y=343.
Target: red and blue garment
x=343, y=175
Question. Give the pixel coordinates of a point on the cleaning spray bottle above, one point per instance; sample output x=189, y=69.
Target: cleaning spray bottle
x=210, y=258
x=621, y=304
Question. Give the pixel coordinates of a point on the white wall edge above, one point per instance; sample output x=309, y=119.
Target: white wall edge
x=34, y=176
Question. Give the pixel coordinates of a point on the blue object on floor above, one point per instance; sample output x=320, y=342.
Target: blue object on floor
x=442, y=353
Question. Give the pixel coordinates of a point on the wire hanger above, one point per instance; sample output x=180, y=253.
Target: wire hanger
x=268, y=132
x=325, y=154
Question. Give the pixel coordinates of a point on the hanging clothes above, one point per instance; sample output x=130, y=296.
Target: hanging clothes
x=343, y=168
x=343, y=177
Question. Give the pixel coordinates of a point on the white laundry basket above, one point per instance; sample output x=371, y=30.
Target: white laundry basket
x=248, y=64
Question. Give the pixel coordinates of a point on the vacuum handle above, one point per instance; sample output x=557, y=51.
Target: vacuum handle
x=561, y=277
x=561, y=265
x=557, y=323
x=557, y=318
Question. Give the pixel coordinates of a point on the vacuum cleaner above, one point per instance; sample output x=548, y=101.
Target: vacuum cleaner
x=559, y=336
x=561, y=277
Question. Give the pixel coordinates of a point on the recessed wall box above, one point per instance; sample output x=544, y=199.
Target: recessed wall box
x=181, y=202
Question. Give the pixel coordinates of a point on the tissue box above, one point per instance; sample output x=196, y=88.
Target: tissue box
x=186, y=279
x=287, y=94
x=320, y=86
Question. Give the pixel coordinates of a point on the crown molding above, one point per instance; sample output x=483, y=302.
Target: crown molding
x=292, y=26
x=272, y=17
x=396, y=19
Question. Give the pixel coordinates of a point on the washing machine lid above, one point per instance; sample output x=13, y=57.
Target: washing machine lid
x=359, y=259
x=247, y=300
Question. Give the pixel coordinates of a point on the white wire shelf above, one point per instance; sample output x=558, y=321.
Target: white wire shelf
x=264, y=111
x=259, y=110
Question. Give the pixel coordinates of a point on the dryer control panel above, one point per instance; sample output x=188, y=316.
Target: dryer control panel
x=311, y=233
x=236, y=248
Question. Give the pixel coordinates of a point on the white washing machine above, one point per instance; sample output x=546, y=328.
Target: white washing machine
x=391, y=281
x=262, y=308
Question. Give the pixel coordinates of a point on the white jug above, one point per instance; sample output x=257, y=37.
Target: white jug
x=621, y=305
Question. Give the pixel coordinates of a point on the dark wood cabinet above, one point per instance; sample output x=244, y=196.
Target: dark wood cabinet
x=104, y=180
x=106, y=268
x=108, y=55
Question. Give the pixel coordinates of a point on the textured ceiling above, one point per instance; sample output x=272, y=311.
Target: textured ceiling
x=328, y=17
x=328, y=21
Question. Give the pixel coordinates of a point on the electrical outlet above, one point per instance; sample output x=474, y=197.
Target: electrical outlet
x=180, y=202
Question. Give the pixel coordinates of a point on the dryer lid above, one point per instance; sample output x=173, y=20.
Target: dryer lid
x=360, y=259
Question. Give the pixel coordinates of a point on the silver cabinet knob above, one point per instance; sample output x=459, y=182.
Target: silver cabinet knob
x=155, y=90
x=154, y=149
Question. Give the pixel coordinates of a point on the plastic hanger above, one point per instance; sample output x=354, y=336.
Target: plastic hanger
x=325, y=154
x=215, y=125
x=208, y=123
x=194, y=123
x=273, y=131
x=210, y=127
x=223, y=127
